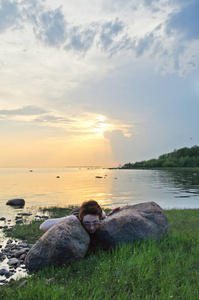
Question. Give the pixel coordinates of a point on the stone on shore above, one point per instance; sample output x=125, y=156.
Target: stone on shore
x=16, y=202
x=64, y=243
x=13, y=262
x=131, y=223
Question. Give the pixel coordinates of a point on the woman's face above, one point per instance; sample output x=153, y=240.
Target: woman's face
x=91, y=223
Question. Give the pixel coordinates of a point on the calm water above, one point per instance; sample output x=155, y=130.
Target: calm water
x=170, y=189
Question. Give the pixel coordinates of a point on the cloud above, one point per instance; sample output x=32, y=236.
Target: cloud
x=9, y=15
x=50, y=27
x=185, y=21
x=81, y=39
x=144, y=44
x=52, y=119
x=171, y=41
x=121, y=145
x=25, y=111
x=109, y=31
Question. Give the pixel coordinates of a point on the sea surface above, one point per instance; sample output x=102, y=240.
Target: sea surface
x=71, y=186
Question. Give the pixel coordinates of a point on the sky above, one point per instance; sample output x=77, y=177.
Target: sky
x=97, y=83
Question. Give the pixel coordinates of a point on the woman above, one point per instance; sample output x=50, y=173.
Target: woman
x=89, y=214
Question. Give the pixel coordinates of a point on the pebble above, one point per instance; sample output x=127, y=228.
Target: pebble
x=19, y=221
x=24, y=214
x=13, y=261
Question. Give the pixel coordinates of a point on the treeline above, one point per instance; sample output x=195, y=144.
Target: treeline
x=184, y=157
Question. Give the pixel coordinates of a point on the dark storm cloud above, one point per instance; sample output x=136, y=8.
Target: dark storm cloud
x=25, y=111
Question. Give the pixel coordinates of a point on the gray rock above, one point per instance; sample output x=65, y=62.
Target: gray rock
x=19, y=253
x=2, y=258
x=13, y=262
x=19, y=221
x=22, y=257
x=16, y=202
x=131, y=223
x=63, y=243
x=3, y=272
x=9, y=241
x=3, y=281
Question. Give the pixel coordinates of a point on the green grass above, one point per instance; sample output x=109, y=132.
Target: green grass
x=168, y=269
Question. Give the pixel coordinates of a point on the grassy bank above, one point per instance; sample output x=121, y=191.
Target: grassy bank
x=145, y=270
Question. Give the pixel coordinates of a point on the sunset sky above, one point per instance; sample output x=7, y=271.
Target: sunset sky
x=97, y=82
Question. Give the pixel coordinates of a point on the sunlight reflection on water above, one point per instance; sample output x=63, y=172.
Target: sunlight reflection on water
x=170, y=189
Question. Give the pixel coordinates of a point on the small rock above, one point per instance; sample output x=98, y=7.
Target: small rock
x=23, y=245
x=9, y=241
x=18, y=264
x=3, y=272
x=6, y=273
x=19, y=253
x=24, y=214
x=22, y=257
x=16, y=202
x=2, y=219
x=3, y=280
x=19, y=221
x=13, y=262
x=2, y=257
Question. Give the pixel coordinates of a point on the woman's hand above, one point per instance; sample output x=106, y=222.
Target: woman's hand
x=113, y=211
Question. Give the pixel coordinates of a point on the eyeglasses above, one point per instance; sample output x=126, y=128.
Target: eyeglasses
x=89, y=224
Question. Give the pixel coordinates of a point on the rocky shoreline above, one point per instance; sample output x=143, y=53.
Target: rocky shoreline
x=12, y=257
x=13, y=252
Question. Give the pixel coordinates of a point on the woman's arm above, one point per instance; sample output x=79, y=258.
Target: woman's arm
x=49, y=223
x=103, y=215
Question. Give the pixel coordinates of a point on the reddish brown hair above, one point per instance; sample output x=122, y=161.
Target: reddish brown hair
x=90, y=208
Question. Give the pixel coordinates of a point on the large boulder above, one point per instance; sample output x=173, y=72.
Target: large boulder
x=62, y=244
x=16, y=202
x=131, y=223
